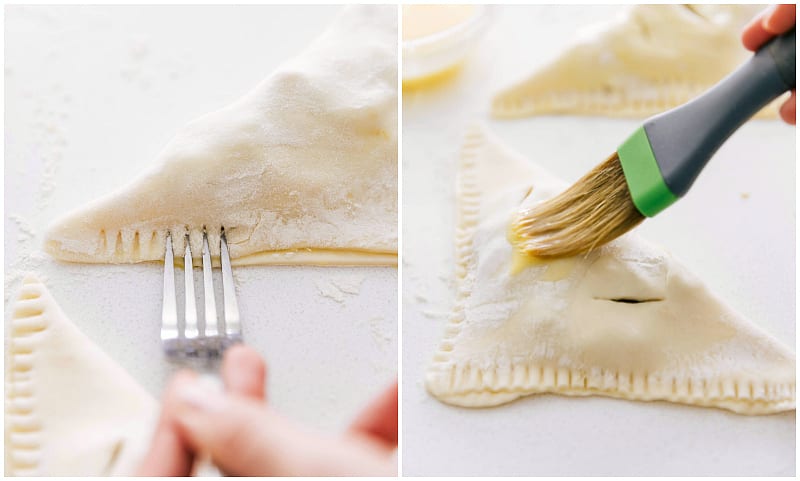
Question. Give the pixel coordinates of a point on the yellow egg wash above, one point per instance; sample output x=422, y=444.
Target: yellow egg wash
x=431, y=80
x=424, y=20
x=557, y=269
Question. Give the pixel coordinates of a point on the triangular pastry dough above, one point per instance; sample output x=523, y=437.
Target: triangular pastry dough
x=303, y=169
x=70, y=409
x=647, y=60
x=625, y=321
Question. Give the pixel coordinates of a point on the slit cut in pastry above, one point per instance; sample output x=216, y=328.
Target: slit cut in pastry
x=625, y=321
x=649, y=59
x=70, y=409
x=301, y=170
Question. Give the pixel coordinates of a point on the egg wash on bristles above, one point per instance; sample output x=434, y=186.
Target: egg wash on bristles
x=595, y=210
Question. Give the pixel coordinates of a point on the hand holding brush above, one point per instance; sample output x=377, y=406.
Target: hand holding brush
x=659, y=162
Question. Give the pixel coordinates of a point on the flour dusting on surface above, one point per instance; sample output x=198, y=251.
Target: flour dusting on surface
x=349, y=284
x=328, y=289
x=431, y=314
x=26, y=231
x=340, y=287
x=378, y=331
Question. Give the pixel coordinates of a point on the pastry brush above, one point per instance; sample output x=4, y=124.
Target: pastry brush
x=658, y=163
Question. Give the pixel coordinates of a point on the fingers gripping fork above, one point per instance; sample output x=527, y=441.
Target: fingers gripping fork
x=217, y=334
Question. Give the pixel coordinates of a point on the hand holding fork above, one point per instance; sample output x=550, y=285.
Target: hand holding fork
x=240, y=432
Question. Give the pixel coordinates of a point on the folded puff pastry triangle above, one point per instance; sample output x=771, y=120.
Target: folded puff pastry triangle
x=626, y=321
x=647, y=60
x=302, y=169
x=70, y=409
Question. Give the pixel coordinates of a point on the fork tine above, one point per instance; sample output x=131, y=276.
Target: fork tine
x=190, y=330
x=212, y=330
x=233, y=329
x=169, y=309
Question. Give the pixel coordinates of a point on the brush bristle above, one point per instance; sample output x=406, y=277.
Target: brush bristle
x=595, y=210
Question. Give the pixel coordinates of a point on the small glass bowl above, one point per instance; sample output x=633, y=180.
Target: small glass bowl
x=439, y=52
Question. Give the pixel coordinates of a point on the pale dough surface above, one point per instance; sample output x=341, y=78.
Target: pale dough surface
x=306, y=160
x=624, y=321
x=70, y=409
x=647, y=60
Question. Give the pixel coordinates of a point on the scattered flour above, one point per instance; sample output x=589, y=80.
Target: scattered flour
x=26, y=232
x=377, y=329
x=47, y=127
x=48, y=145
x=350, y=284
x=430, y=314
x=339, y=287
x=27, y=258
x=328, y=289
x=26, y=262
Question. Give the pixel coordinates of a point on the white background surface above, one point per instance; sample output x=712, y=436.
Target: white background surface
x=744, y=248
x=92, y=94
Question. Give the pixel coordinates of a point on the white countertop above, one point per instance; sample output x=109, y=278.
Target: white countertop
x=735, y=230
x=92, y=94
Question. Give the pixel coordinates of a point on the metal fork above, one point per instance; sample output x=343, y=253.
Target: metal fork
x=189, y=345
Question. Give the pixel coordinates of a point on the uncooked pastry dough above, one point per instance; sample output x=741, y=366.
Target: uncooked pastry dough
x=304, y=166
x=70, y=409
x=649, y=59
x=625, y=321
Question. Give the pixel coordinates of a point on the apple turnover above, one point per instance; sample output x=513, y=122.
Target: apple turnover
x=301, y=170
x=626, y=320
x=70, y=409
x=647, y=60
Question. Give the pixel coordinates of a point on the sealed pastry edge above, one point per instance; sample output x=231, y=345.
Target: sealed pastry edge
x=131, y=243
x=143, y=252
x=652, y=96
x=23, y=427
x=31, y=317
x=597, y=103
x=469, y=386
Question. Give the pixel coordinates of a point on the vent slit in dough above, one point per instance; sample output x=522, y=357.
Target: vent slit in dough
x=301, y=170
x=649, y=59
x=626, y=321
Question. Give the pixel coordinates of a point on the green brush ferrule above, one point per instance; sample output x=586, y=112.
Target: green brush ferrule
x=646, y=185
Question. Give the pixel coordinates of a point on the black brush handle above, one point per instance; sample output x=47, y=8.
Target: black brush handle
x=684, y=139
